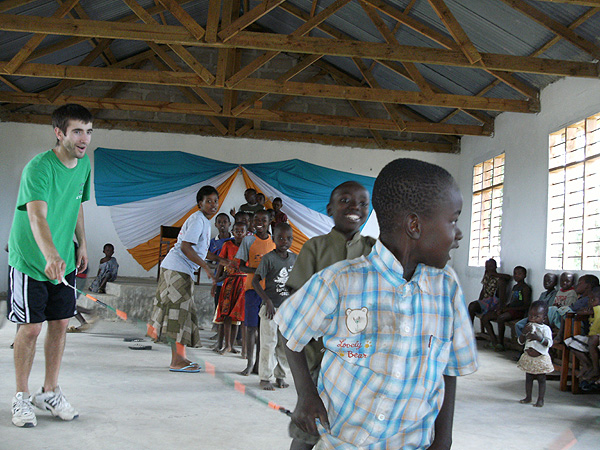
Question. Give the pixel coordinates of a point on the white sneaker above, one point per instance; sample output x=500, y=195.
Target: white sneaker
x=22, y=411
x=55, y=402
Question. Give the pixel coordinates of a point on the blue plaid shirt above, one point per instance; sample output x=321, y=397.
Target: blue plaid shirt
x=388, y=344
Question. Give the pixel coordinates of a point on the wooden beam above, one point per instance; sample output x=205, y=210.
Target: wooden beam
x=185, y=55
x=373, y=50
x=212, y=21
x=554, y=26
x=593, y=3
x=162, y=54
x=184, y=18
x=301, y=31
x=457, y=32
x=188, y=79
x=36, y=40
x=69, y=42
x=361, y=113
x=414, y=24
x=297, y=44
x=288, y=98
x=174, y=127
x=251, y=114
x=189, y=94
x=370, y=79
x=262, y=9
x=14, y=87
x=403, y=71
x=7, y=5
x=303, y=64
x=580, y=20
x=88, y=60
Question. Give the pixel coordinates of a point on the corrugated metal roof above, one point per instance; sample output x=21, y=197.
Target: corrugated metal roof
x=492, y=26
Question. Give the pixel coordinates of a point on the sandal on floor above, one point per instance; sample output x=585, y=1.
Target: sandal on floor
x=73, y=329
x=192, y=368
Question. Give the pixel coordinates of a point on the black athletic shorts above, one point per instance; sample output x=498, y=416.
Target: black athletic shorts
x=33, y=301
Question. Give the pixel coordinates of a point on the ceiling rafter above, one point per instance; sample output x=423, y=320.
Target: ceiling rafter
x=36, y=39
x=189, y=79
x=555, y=26
x=298, y=44
x=230, y=28
x=252, y=114
x=301, y=31
x=457, y=32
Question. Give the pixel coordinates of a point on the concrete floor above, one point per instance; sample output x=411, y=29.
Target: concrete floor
x=129, y=400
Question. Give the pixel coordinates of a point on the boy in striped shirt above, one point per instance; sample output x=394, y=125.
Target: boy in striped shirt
x=395, y=326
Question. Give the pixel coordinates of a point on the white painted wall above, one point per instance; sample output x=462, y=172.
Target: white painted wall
x=524, y=139
x=20, y=142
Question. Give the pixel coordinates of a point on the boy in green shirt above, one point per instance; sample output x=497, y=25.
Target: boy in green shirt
x=54, y=184
x=349, y=208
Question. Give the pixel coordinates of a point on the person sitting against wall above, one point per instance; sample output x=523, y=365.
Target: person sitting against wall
x=493, y=291
x=107, y=271
x=517, y=307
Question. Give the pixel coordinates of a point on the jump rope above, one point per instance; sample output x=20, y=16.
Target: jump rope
x=209, y=368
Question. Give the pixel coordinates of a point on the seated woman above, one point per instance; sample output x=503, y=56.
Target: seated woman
x=516, y=309
x=492, y=292
x=107, y=271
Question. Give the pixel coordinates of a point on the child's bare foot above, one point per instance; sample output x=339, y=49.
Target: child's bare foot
x=525, y=400
x=539, y=403
x=246, y=371
x=266, y=385
x=233, y=350
x=280, y=383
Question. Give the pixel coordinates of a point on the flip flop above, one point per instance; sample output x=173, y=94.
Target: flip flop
x=140, y=347
x=188, y=369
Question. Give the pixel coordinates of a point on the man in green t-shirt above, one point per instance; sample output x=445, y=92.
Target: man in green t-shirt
x=49, y=212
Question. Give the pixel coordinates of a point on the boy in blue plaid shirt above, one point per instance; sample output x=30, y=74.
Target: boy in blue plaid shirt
x=395, y=326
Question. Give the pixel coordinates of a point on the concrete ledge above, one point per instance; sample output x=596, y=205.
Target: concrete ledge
x=135, y=296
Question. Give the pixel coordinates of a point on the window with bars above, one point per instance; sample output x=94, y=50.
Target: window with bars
x=573, y=235
x=486, y=211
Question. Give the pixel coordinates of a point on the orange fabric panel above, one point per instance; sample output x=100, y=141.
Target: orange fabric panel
x=299, y=237
x=146, y=254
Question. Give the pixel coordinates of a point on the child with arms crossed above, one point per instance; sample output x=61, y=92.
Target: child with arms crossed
x=274, y=268
x=535, y=360
x=395, y=325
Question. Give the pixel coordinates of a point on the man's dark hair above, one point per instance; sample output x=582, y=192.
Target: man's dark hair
x=590, y=279
x=409, y=186
x=204, y=192
x=70, y=111
x=282, y=226
x=223, y=215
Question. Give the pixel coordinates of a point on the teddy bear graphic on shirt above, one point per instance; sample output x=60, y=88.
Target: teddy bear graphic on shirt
x=356, y=320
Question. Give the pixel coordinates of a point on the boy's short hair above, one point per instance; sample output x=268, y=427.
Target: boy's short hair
x=70, y=111
x=590, y=279
x=277, y=199
x=282, y=226
x=223, y=215
x=108, y=244
x=250, y=190
x=240, y=213
x=410, y=186
x=522, y=268
x=344, y=184
x=596, y=291
x=239, y=224
x=204, y=192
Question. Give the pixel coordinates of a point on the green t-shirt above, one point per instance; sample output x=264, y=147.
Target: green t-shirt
x=47, y=179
